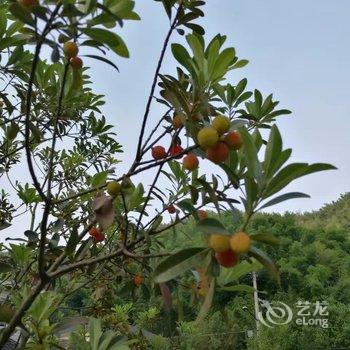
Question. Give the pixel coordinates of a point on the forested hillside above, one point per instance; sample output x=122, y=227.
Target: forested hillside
x=313, y=258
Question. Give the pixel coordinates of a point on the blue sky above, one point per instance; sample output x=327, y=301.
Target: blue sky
x=297, y=50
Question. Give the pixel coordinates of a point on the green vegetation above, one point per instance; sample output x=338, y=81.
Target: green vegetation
x=104, y=260
x=314, y=264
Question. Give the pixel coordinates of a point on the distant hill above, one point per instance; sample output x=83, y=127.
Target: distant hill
x=335, y=215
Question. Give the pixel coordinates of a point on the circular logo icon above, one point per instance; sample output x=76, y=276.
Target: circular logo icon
x=276, y=313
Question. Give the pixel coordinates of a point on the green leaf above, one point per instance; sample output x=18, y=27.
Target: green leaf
x=182, y=56
x=105, y=60
x=112, y=40
x=238, y=288
x=95, y=330
x=186, y=206
x=251, y=155
x=212, y=226
x=267, y=238
x=240, y=64
x=222, y=63
x=273, y=149
x=251, y=192
x=3, y=22
x=72, y=242
x=43, y=306
x=178, y=263
x=207, y=303
x=292, y=172
x=240, y=270
x=266, y=261
x=22, y=14
x=197, y=49
x=284, y=197
x=4, y=268
x=99, y=178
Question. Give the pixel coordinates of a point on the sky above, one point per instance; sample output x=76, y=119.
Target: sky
x=298, y=50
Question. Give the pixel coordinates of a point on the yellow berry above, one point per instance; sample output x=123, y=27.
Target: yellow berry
x=240, y=242
x=208, y=137
x=219, y=243
x=70, y=49
x=114, y=188
x=177, y=122
x=221, y=124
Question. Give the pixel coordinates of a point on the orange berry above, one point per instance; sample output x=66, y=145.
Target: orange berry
x=175, y=150
x=97, y=235
x=218, y=153
x=190, y=162
x=70, y=49
x=171, y=209
x=240, y=242
x=76, y=62
x=227, y=258
x=233, y=140
x=177, y=122
x=158, y=152
x=219, y=243
x=138, y=280
x=202, y=214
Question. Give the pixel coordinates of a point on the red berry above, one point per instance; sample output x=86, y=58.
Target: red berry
x=171, y=209
x=202, y=214
x=138, y=280
x=227, y=258
x=233, y=140
x=219, y=153
x=76, y=62
x=158, y=152
x=96, y=235
x=175, y=150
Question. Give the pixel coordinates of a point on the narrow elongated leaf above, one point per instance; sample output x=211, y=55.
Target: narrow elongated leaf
x=178, y=263
x=112, y=40
x=207, y=303
x=314, y=168
x=228, y=276
x=181, y=55
x=284, y=197
x=273, y=148
x=212, y=226
x=238, y=288
x=222, y=63
x=186, y=206
x=292, y=172
x=95, y=331
x=72, y=242
x=251, y=155
x=278, y=163
x=105, y=60
x=266, y=261
x=267, y=238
